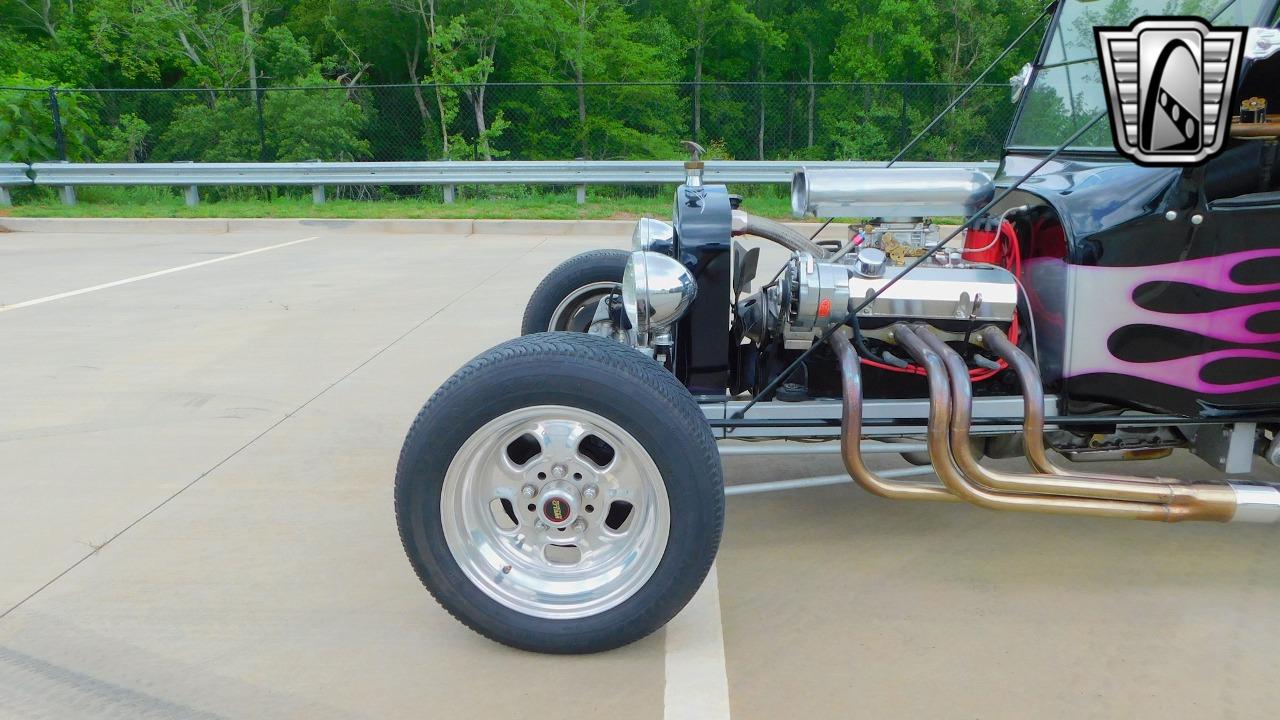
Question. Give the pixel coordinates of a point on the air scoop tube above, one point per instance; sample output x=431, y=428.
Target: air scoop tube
x=889, y=192
x=748, y=224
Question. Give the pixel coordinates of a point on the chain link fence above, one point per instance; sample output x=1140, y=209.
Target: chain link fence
x=597, y=121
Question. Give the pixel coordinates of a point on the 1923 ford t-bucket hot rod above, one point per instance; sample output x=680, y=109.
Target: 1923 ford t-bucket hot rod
x=563, y=492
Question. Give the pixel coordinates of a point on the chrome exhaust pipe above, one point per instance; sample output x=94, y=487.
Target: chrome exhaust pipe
x=944, y=462
x=1060, y=493
x=1253, y=503
x=851, y=433
x=994, y=340
x=1098, y=487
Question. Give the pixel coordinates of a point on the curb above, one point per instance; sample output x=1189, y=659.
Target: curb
x=186, y=226
x=112, y=225
x=138, y=226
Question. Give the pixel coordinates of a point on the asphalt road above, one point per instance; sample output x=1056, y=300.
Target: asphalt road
x=196, y=521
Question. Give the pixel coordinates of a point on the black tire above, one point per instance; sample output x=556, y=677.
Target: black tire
x=604, y=377
x=570, y=276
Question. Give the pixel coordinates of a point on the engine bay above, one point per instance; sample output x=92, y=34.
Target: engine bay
x=958, y=291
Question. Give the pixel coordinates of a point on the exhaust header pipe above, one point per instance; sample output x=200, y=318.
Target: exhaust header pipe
x=1050, y=489
x=851, y=433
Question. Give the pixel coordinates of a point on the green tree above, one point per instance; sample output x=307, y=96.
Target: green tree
x=594, y=41
x=460, y=40
x=27, y=132
x=453, y=54
x=207, y=42
x=314, y=121
x=710, y=30
x=223, y=131
x=126, y=142
x=318, y=124
x=798, y=20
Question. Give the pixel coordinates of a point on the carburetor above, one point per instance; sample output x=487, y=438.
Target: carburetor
x=900, y=238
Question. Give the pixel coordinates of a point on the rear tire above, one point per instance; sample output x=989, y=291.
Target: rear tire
x=566, y=298
x=501, y=581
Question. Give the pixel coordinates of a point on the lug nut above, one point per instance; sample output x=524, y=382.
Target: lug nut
x=590, y=492
x=540, y=525
x=579, y=524
x=529, y=491
x=559, y=471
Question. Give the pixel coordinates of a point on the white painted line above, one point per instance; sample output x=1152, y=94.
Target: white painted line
x=148, y=276
x=697, y=682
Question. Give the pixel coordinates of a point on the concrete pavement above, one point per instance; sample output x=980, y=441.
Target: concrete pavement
x=196, y=471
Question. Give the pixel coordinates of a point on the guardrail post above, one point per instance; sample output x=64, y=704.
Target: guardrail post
x=190, y=192
x=317, y=191
x=448, y=194
x=5, y=199
x=68, y=194
x=582, y=194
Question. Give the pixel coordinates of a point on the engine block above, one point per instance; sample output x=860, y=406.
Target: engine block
x=814, y=294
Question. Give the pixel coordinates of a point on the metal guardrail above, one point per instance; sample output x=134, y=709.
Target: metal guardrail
x=12, y=174
x=317, y=175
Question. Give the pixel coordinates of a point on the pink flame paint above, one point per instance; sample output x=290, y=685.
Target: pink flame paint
x=1104, y=304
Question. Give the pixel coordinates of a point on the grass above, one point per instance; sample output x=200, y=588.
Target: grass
x=484, y=203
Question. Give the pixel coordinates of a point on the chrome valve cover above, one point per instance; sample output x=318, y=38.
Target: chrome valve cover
x=816, y=294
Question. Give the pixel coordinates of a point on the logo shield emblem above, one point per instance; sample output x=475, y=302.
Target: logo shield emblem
x=1169, y=85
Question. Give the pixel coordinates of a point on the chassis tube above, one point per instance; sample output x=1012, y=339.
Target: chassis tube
x=1100, y=487
x=851, y=433
x=944, y=462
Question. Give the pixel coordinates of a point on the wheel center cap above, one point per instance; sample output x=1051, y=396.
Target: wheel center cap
x=557, y=508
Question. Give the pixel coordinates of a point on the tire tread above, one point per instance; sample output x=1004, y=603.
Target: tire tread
x=579, y=270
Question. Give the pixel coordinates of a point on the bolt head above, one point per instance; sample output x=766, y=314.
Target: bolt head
x=559, y=471
x=529, y=491
x=539, y=525
x=1197, y=219
x=579, y=524
x=590, y=492
x=1171, y=216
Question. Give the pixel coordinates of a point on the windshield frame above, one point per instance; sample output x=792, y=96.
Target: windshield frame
x=1266, y=11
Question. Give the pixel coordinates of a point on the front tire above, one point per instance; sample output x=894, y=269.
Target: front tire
x=561, y=493
x=567, y=297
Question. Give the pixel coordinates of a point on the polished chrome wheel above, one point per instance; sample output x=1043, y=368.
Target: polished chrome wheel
x=555, y=512
x=577, y=310
x=561, y=493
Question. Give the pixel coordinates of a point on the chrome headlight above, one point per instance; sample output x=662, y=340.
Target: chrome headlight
x=656, y=291
x=648, y=232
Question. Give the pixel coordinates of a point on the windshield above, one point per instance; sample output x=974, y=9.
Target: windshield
x=1067, y=91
